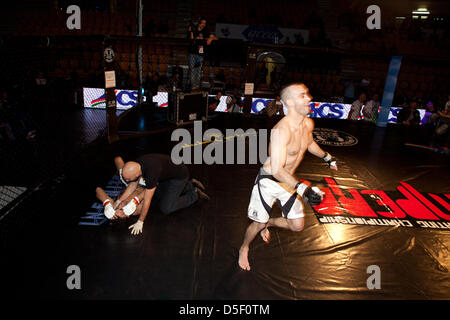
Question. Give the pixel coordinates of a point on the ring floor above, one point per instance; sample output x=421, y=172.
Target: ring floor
x=193, y=253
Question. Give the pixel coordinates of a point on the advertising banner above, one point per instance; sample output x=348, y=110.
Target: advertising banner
x=259, y=34
x=95, y=98
x=404, y=207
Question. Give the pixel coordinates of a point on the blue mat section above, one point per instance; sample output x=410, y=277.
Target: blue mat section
x=95, y=216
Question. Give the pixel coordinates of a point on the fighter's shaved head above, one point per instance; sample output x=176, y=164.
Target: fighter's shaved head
x=286, y=92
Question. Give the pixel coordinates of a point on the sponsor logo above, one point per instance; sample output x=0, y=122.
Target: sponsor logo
x=125, y=99
x=331, y=137
x=328, y=110
x=262, y=34
x=98, y=102
x=404, y=207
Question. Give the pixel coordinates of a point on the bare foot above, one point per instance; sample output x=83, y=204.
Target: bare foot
x=243, y=259
x=265, y=235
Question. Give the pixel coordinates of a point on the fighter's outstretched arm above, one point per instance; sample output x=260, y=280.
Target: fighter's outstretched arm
x=318, y=152
x=314, y=149
x=148, y=196
x=137, y=227
x=128, y=191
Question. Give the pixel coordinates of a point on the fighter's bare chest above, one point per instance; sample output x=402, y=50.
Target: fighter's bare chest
x=298, y=142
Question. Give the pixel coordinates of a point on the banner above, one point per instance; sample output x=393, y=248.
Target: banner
x=259, y=34
x=329, y=109
x=404, y=207
x=95, y=98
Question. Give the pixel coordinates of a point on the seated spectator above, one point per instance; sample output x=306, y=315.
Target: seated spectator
x=214, y=102
x=431, y=115
x=355, y=110
x=234, y=103
x=409, y=116
x=444, y=120
x=370, y=110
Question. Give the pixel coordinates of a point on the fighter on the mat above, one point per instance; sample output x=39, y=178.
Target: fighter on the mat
x=290, y=138
x=149, y=175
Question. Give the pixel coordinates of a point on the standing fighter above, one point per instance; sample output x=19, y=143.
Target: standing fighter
x=289, y=140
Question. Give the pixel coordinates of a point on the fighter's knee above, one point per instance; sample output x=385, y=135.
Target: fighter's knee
x=260, y=225
x=98, y=189
x=296, y=225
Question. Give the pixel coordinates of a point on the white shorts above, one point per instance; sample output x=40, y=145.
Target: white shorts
x=266, y=191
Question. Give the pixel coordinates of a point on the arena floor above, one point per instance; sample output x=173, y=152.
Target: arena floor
x=387, y=206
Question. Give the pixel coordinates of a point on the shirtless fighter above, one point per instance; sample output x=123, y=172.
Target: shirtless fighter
x=289, y=140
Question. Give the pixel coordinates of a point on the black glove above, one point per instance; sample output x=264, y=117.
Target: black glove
x=311, y=195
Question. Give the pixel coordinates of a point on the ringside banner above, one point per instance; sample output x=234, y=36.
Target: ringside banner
x=95, y=98
x=259, y=33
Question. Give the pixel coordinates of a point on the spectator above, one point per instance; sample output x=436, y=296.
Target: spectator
x=431, y=115
x=370, y=110
x=444, y=120
x=214, y=102
x=409, y=116
x=234, y=103
x=355, y=110
x=200, y=38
